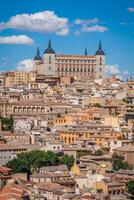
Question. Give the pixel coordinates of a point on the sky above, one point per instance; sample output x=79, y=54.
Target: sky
x=72, y=26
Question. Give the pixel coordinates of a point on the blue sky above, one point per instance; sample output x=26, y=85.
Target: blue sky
x=72, y=25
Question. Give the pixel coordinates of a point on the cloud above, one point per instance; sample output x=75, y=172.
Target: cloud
x=130, y=9
x=89, y=25
x=115, y=70
x=91, y=29
x=46, y=21
x=112, y=69
x=86, y=21
x=16, y=39
x=26, y=65
x=96, y=28
x=126, y=72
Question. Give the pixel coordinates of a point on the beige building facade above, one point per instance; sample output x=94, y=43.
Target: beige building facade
x=72, y=66
x=19, y=77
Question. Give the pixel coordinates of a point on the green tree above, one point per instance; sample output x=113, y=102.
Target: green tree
x=29, y=162
x=98, y=152
x=7, y=123
x=32, y=161
x=130, y=187
x=119, y=163
x=82, y=153
x=68, y=160
x=51, y=159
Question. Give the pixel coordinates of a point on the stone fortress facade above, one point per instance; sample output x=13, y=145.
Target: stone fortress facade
x=72, y=66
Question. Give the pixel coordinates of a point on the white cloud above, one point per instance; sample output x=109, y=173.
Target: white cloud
x=126, y=72
x=112, y=69
x=86, y=21
x=115, y=70
x=96, y=28
x=130, y=9
x=16, y=39
x=25, y=65
x=47, y=22
x=91, y=29
x=89, y=25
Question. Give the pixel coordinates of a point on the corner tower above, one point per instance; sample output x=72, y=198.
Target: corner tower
x=100, y=65
x=49, y=60
x=38, y=62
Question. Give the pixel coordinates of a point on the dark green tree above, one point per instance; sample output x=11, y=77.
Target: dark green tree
x=7, y=123
x=98, y=152
x=130, y=187
x=29, y=162
x=68, y=160
x=119, y=163
x=82, y=153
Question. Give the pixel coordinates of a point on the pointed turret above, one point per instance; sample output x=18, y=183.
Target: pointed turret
x=100, y=50
x=38, y=57
x=86, y=52
x=49, y=48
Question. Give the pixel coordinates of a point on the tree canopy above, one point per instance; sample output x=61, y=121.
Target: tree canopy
x=98, y=152
x=29, y=162
x=119, y=163
x=130, y=187
x=67, y=160
x=7, y=123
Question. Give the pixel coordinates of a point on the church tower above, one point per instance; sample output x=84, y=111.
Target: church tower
x=100, y=65
x=38, y=61
x=49, y=60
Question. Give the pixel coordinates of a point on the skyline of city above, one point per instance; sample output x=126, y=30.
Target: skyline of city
x=30, y=24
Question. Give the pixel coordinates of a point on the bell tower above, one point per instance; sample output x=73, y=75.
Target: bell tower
x=38, y=61
x=100, y=65
x=49, y=60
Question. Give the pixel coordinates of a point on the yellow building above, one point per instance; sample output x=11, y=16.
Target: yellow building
x=75, y=170
x=111, y=121
x=19, y=77
x=72, y=136
x=70, y=118
x=111, y=188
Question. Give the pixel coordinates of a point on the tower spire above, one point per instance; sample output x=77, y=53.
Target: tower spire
x=38, y=57
x=100, y=46
x=100, y=50
x=85, y=52
x=49, y=43
x=49, y=48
